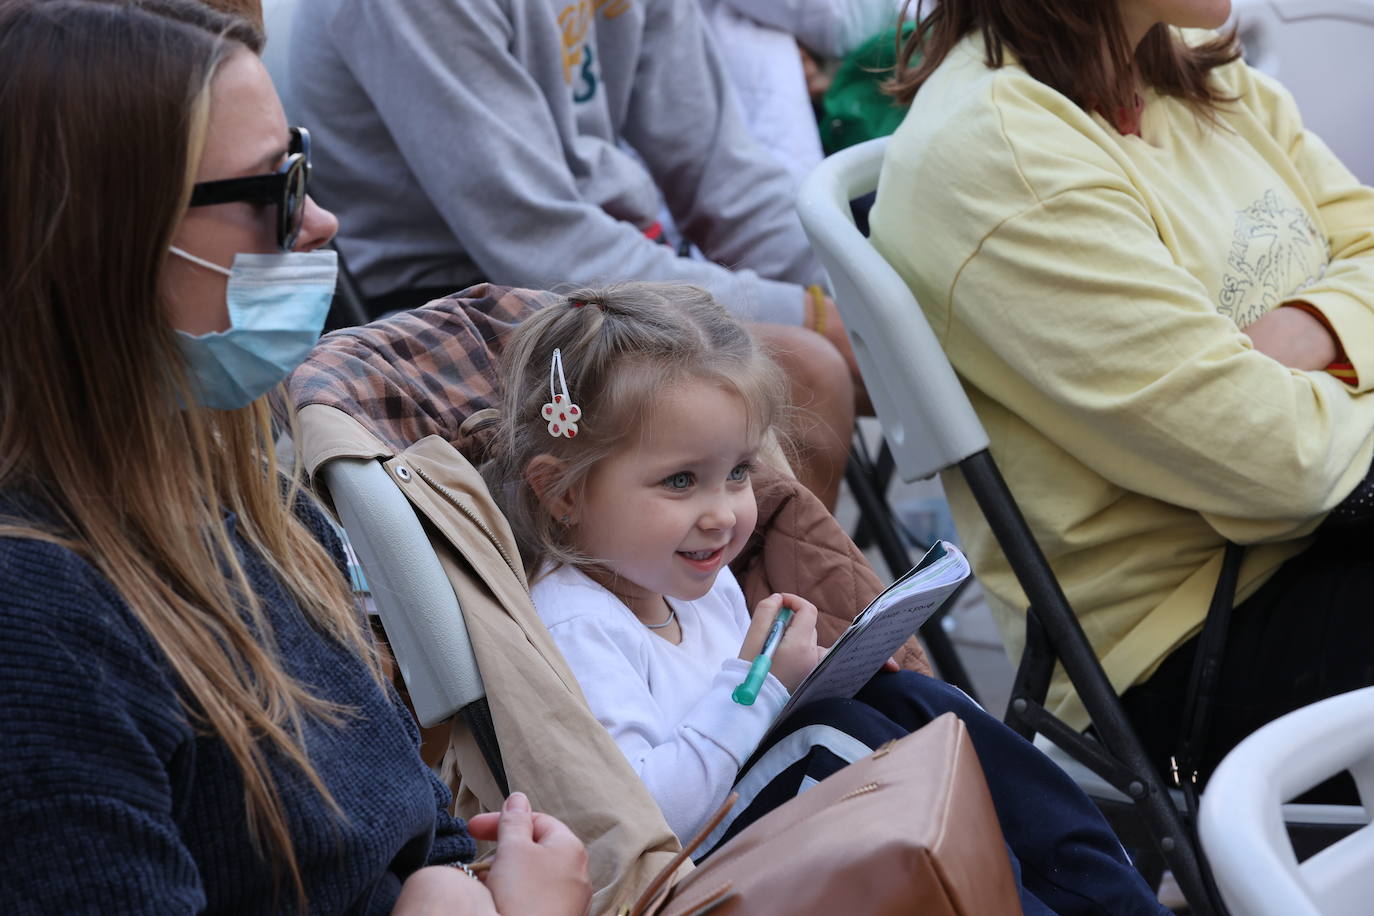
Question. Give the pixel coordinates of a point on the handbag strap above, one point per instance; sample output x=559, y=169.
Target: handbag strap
x=660, y=884
x=1202, y=682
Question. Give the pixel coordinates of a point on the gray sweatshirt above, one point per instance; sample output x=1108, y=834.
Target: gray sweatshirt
x=479, y=139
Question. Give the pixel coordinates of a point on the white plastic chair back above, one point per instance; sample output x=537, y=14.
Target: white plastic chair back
x=926, y=417
x=277, y=17
x=414, y=598
x=1323, y=52
x=1241, y=824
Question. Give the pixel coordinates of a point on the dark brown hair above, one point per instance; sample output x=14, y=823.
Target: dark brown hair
x=247, y=9
x=1077, y=47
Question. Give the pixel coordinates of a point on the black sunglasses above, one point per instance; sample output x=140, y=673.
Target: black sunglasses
x=286, y=187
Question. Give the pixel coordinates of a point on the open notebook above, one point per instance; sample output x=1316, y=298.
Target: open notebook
x=888, y=621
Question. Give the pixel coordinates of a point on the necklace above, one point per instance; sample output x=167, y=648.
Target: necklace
x=672, y=615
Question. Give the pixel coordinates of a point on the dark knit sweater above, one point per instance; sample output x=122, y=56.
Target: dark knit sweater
x=110, y=802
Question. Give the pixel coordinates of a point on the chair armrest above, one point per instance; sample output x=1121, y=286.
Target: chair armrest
x=927, y=419
x=419, y=610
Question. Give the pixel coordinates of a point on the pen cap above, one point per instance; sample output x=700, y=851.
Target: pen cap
x=746, y=693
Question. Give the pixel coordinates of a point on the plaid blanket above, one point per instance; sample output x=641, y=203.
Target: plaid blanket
x=420, y=373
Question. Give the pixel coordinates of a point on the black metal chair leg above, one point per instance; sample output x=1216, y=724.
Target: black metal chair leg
x=1065, y=634
x=884, y=467
x=860, y=467
x=1033, y=676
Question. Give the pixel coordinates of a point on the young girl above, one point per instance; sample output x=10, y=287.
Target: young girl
x=632, y=420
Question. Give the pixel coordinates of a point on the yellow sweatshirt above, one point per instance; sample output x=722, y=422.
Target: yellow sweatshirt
x=1090, y=288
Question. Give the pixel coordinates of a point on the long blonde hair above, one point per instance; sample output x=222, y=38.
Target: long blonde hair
x=621, y=348
x=103, y=109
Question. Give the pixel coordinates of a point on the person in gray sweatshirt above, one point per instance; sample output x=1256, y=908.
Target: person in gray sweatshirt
x=467, y=140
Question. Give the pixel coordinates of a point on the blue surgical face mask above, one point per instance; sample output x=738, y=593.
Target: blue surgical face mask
x=277, y=307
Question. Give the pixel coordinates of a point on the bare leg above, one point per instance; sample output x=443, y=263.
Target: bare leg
x=822, y=395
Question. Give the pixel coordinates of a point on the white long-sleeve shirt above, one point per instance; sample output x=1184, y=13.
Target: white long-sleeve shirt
x=667, y=706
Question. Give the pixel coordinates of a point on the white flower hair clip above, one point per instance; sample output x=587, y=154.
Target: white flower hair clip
x=561, y=412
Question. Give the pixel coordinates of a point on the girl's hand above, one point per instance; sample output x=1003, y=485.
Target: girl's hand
x=539, y=868
x=798, y=652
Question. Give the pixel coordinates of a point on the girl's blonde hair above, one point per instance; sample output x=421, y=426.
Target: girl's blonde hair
x=103, y=113
x=622, y=347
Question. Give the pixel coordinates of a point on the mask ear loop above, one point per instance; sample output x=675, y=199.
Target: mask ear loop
x=561, y=412
x=208, y=265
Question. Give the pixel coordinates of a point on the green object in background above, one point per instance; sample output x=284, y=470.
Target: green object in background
x=855, y=108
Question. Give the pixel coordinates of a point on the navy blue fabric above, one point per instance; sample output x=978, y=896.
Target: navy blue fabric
x=1066, y=859
x=112, y=801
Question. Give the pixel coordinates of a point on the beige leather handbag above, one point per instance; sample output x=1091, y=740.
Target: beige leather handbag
x=909, y=829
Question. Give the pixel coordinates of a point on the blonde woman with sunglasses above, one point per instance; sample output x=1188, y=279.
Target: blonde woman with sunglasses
x=192, y=715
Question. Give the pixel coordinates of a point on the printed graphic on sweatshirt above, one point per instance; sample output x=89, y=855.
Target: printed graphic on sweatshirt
x=1276, y=251
x=579, y=58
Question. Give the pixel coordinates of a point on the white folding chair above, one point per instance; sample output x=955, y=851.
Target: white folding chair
x=931, y=427
x=419, y=610
x=1242, y=825
x=1321, y=51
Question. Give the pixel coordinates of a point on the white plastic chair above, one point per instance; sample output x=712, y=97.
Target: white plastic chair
x=1241, y=822
x=1321, y=51
x=419, y=610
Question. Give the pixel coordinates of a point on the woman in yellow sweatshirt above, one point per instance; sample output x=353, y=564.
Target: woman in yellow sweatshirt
x=1158, y=289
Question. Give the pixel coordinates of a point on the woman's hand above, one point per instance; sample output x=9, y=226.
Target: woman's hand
x=798, y=652
x=1293, y=337
x=539, y=868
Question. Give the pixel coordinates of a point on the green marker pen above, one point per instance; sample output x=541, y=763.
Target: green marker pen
x=745, y=694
